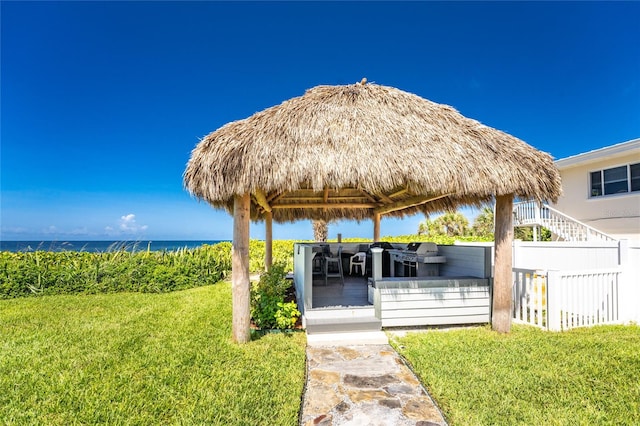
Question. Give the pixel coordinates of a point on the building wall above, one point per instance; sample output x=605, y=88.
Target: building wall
x=617, y=215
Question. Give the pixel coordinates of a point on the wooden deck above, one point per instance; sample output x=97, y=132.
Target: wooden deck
x=334, y=294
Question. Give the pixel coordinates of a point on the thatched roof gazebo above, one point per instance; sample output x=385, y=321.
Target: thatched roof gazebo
x=361, y=151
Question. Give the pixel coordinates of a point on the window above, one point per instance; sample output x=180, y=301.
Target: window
x=596, y=183
x=635, y=176
x=617, y=180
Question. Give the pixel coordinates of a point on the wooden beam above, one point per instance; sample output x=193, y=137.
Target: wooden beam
x=372, y=197
x=338, y=198
x=376, y=227
x=503, y=275
x=240, y=285
x=384, y=198
x=405, y=204
x=325, y=206
x=401, y=192
x=275, y=197
x=369, y=196
x=261, y=199
x=268, y=240
x=325, y=196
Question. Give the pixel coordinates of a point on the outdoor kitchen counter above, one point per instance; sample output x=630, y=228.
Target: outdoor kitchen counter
x=427, y=282
x=400, y=257
x=430, y=301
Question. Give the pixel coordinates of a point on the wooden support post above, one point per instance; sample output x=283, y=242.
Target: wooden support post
x=268, y=240
x=240, y=285
x=503, y=275
x=376, y=227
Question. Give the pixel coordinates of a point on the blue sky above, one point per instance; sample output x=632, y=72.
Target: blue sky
x=102, y=102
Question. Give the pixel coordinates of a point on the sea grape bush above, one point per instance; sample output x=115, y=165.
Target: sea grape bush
x=45, y=273
x=282, y=251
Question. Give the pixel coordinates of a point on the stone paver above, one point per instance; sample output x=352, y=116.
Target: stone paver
x=364, y=385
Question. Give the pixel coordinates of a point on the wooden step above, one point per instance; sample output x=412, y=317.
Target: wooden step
x=348, y=339
x=343, y=325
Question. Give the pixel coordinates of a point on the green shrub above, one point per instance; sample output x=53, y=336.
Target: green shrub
x=268, y=308
x=282, y=252
x=221, y=252
x=41, y=273
x=287, y=315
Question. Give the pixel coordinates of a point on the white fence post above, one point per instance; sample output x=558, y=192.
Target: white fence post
x=376, y=266
x=553, y=301
x=626, y=292
x=529, y=297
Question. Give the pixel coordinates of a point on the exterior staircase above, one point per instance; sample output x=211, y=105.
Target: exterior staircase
x=531, y=213
x=335, y=327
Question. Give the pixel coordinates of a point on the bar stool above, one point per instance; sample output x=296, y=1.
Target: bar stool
x=334, y=261
x=358, y=260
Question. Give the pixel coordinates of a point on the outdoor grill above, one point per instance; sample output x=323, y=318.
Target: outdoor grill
x=419, y=253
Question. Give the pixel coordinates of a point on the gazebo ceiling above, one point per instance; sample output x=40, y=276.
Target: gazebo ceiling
x=352, y=203
x=359, y=150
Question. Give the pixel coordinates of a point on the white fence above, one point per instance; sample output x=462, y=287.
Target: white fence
x=567, y=255
x=530, y=297
x=561, y=300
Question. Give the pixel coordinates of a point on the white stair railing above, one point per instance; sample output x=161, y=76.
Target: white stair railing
x=530, y=213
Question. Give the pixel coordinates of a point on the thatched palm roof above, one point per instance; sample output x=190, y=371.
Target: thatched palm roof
x=368, y=148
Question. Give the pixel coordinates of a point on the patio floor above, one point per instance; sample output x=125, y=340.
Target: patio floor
x=334, y=294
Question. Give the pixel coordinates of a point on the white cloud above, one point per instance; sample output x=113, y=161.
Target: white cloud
x=82, y=231
x=128, y=225
x=14, y=230
x=52, y=229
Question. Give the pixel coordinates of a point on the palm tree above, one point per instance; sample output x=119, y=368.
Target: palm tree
x=483, y=224
x=426, y=227
x=452, y=224
x=320, y=230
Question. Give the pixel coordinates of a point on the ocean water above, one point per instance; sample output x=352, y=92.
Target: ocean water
x=102, y=246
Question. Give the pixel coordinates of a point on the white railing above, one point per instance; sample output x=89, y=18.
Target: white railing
x=529, y=213
x=530, y=297
x=562, y=300
x=582, y=298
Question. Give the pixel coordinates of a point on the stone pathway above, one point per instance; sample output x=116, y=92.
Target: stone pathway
x=364, y=385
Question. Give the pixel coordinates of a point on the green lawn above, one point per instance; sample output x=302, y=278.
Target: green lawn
x=530, y=377
x=132, y=358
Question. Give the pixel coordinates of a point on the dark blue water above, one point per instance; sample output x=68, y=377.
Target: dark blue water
x=101, y=246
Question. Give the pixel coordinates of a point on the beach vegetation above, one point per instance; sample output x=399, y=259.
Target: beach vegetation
x=37, y=273
x=68, y=272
